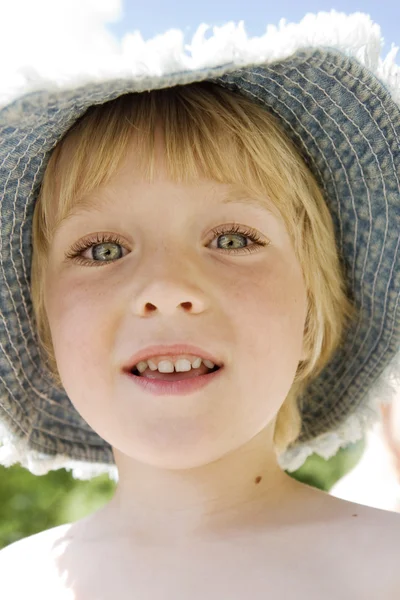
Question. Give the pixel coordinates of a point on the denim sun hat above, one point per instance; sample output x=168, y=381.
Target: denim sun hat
x=339, y=102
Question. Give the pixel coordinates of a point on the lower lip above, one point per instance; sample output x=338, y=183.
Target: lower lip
x=174, y=388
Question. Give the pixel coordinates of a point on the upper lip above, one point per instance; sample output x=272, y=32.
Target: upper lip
x=171, y=350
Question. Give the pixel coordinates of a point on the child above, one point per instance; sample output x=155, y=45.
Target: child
x=249, y=205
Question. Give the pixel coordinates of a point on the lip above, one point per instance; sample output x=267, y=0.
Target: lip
x=174, y=388
x=171, y=350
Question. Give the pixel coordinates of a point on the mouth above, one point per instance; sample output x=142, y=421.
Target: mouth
x=154, y=383
x=176, y=375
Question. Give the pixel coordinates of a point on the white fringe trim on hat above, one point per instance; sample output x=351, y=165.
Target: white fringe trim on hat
x=355, y=34
x=384, y=391
x=15, y=450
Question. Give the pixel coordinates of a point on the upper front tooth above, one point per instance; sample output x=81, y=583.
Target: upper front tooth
x=167, y=366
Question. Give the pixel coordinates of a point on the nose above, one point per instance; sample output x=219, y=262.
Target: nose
x=169, y=299
x=169, y=285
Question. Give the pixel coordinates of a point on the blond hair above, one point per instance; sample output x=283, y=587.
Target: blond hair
x=212, y=132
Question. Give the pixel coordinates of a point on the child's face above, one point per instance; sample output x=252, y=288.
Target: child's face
x=172, y=281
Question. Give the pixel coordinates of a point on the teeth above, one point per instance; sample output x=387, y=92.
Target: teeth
x=167, y=366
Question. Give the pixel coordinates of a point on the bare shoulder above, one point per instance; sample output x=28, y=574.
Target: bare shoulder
x=383, y=524
x=369, y=539
x=28, y=567
x=359, y=524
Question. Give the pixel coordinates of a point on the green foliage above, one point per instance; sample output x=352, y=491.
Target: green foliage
x=30, y=504
x=323, y=474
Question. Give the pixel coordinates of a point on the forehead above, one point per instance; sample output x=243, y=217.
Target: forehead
x=123, y=174
x=232, y=194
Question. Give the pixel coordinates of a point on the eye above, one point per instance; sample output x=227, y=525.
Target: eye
x=101, y=239
x=228, y=233
x=231, y=231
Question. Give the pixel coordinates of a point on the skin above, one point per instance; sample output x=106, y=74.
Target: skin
x=197, y=465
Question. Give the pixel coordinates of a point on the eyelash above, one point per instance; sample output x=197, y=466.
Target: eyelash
x=103, y=238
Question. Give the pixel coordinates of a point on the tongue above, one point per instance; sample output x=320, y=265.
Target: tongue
x=202, y=370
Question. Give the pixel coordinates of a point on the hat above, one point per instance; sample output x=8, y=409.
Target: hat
x=335, y=98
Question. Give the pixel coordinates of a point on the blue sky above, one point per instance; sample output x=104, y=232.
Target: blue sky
x=153, y=17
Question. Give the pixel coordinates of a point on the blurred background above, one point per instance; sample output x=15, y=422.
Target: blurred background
x=49, y=33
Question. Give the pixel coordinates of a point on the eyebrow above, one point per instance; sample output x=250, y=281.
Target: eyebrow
x=239, y=196
x=98, y=203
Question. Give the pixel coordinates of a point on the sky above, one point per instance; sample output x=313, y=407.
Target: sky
x=152, y=17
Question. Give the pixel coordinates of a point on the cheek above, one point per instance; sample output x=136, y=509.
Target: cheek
x=268, y=306
x=268, y=310
x=78, y=328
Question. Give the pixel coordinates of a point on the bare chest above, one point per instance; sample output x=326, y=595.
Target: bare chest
x=233, y=580
x=330, y=566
